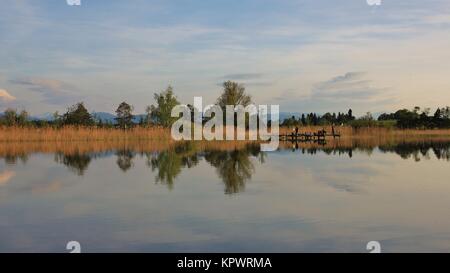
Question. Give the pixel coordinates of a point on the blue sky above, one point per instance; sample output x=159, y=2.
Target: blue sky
x=312, y=55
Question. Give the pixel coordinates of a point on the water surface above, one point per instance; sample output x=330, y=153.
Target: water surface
x=301, y=198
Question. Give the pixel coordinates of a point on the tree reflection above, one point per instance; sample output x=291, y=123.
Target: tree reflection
x=169, y=163
x=420, y=150
x=11, y=159
x=235, y=167
x=124, y=159
x=406, y=150
x=78, y=163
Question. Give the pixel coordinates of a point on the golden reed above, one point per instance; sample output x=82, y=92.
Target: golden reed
x=73, y=140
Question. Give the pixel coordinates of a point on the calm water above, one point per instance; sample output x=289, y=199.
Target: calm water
x=293, y=200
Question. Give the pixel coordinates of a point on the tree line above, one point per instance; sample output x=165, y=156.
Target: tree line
x=416, y=118
x=233, y=93
x=314, y=119
x=155, y=115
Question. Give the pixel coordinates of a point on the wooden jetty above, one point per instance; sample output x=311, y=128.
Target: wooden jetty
x=320, y=135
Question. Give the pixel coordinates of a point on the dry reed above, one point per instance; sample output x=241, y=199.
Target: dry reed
x=72, y=140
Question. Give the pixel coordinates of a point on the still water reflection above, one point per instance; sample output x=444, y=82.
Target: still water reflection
x=302, y=198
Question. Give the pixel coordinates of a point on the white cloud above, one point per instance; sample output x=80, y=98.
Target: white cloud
x=5, y=96
x=349, y=87
x=402, y=46
x=53, y=91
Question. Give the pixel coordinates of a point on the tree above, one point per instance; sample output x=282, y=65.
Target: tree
x=350, y=115
x=315, y=120
x=385, y=116
x=367, y=117
x=10, y=117
x=437, y=114
x=77, y=115
x=327, y=118
x=124, y=115
x=233, y=94
x=148, y=115
x=165, y=101
x=22, y=118
x=57, y=119
x=445, y=112
x=303, y=120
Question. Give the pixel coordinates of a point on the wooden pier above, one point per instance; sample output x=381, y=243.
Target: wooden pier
x=320, y=135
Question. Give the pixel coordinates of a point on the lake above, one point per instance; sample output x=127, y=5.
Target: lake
x=302, y=198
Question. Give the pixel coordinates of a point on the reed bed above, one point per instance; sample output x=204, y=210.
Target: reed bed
x=69, y=134
x=73, y=140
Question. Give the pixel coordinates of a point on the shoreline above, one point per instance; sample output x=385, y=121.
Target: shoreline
x=23, y=141
x=160, y=134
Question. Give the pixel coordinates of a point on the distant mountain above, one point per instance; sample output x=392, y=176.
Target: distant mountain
x=137, y=118
x=286, y=115
x=45, y=116
x=111, y=118
x=104, y=117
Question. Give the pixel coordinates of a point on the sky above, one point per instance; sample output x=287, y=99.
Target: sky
x=304, y=55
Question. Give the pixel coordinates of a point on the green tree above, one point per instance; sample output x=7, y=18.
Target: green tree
x=233, y=94
x=165, y=101
x=78, y=115
x=124, y=115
